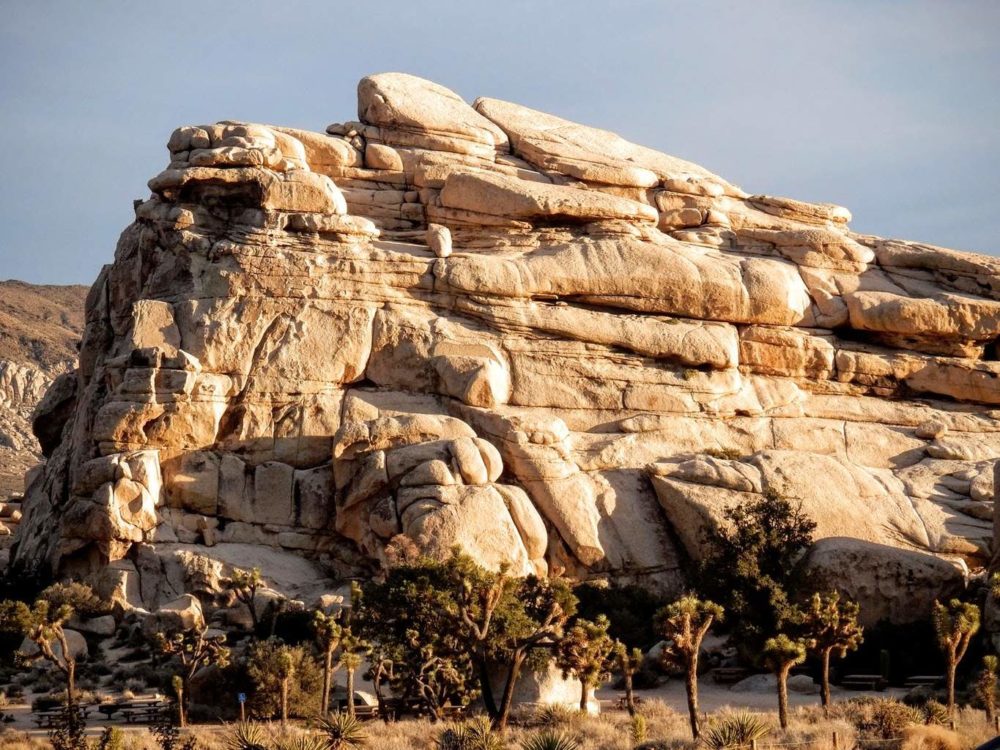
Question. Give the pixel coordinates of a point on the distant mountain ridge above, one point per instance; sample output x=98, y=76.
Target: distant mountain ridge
x=40, y=327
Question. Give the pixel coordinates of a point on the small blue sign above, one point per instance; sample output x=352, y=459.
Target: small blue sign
x=241, y=697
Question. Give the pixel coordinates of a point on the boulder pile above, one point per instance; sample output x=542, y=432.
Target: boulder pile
x=483, y=325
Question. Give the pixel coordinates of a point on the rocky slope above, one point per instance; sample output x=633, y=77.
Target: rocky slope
x=40, y=327
x=485, y=325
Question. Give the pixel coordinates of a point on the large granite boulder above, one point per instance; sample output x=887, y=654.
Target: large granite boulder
x=482, y=325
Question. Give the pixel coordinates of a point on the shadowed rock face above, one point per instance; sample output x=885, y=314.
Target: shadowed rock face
x=487, y=326
x=39, y=329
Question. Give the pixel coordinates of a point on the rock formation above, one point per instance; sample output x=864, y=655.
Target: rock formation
x=488, y=326
x=40, y=327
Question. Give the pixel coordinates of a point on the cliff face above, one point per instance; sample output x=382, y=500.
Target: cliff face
x=40, y=327
x=487, y=326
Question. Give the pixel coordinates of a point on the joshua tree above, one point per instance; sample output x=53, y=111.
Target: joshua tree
x=629, y=663
x=831, y=627
x=44, y=622
x=245, y=584
x=352, y=655
x=683, y=625
x=986, y=686
x=533, y=622
x=585, y=652
x=284, y=665
x=479, y=593
x=193, y=649
x=329, y=633
x=955, y=623
x=781, y=653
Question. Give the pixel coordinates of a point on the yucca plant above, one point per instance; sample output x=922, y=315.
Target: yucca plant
x=246, y=735
x=554, y=715
x=475, y=734
x=549, y=740
x=735, y=730
x=303, y=741
x=341, y=731
x=935, y=712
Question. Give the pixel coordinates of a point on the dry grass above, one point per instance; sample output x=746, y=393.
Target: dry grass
x=667, y=729
x=930, y=737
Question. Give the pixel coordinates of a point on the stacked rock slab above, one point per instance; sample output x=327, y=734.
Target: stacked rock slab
x=488, y=326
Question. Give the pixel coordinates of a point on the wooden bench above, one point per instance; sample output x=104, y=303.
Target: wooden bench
x=46, y=718
x=864, y=682
x=143, y=715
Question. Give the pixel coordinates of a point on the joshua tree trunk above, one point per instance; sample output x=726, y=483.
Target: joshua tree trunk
x=629, y=694
x=691, y=685
x=379, y=699
x=350, y=692
x=825, y=682
x=324, y=705
x=70, y=679
x=284, y=701
x=584, y=695
x=181, y=698
x=783, y=695
x=952, y=666
x=489, y=701
x=508, y=690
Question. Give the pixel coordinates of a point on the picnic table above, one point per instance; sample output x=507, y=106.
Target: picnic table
x=136, y=711
x=864, y=682
x=622, y=701
x=46, y=718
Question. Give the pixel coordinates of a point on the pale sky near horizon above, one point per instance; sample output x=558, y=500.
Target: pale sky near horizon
x=890, y=108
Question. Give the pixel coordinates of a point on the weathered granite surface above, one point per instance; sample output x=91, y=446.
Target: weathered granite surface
x=485, y=325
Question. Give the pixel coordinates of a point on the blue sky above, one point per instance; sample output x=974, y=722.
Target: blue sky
x=891, y=108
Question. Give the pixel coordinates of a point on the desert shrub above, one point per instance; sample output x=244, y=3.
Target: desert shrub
x=342, y=731
x=752, y=567
x=135, y=685
x=303, y=694
x=639, y=729
x=549, y=740
x=735, y=730
x=112, y=738
x=930, y=737
x=878, y=719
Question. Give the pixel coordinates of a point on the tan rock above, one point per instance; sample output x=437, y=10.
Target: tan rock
x=495, y=328
x=521, y=199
